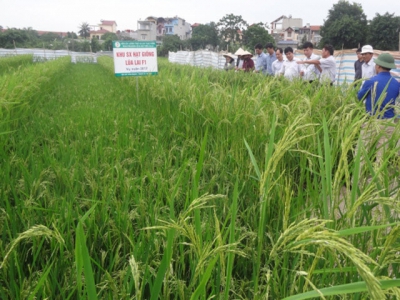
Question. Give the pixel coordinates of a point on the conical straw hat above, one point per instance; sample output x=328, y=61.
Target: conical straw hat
x=239, y=51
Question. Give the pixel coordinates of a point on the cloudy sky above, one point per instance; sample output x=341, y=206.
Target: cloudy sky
x=67, y=15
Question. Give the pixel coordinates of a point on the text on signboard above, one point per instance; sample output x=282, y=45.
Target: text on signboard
x=136, y=54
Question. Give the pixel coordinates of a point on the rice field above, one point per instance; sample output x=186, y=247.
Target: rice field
x=200, y=184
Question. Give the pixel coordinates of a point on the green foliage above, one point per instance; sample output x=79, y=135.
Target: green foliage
x=18, y=37
x=95, y=45
x=230, y=28
x=208, y=185
x=171, y=43
x=109, y=36
x=384, y=32
x=345, y=26
x=84, y=46
x=71, y=35
x=255, y=34
x=84, y=30
x=29, y=38
x=107, y=45
x=204, y=35
x=12, y=63
x=50, y=37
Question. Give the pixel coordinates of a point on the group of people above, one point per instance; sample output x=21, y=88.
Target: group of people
x=374, y=73
x=378, y=91
x=272, y=63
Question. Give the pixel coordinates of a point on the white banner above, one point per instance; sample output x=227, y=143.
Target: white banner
x=135, y=58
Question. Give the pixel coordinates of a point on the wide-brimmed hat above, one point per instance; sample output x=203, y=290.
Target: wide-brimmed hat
x=367, y=49
x=385, y=60
x=229, y=55
x=247, y=53
x=239, y=51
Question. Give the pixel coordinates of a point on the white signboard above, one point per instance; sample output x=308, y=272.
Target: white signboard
x=135, y=58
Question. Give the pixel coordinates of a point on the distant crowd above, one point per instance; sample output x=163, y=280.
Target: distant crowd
x=279, y=62
x=378, y=91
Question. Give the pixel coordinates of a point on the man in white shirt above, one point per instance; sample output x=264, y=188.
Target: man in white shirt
x=368, y=67
x=310, y=72
x=290, y=69
x=326, y=65
x=277, y=64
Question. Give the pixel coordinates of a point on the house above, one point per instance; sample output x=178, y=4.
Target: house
x=311, y=33
x=146, y=31
x=104, y=27
x=179, y=27
x=291, y=34
x=195, y=25
x=286, y=29
x=164, y=26
x=110, y=26
x=292, y=31
x=160, y=28
x=128, y=34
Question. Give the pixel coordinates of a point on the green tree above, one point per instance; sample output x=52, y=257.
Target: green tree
x=95, y=45
x=345, y=27
x=50, y=37
x=384, y=31
x=72, y=35
x=257, y=33
x=204, y=35
x=109, y=36
x=230, y=28
x=18, y=37
x=107, y=45
x=82, y=46
x=84, y=30
x=171, y=43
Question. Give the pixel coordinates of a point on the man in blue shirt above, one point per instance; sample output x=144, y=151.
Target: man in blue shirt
x=380, y=93
x=271, y=57
x=261, y=60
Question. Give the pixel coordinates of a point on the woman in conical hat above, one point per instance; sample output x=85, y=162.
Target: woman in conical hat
x=248, y=63
x=230, y=61
x=239, y=62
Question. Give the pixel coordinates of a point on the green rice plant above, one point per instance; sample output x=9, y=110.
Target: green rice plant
x=213, y=184
x=9, y=64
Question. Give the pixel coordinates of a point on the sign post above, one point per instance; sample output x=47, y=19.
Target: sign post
x=135, y=58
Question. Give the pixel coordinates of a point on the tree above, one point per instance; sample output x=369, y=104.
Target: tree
x=230, y=28
x=13, y=36
x=257, y=33
x=204, y=35
x=384, y=32
x=72, y=35
x=84, y=30
x=50, y=37
x=170, y=43
x=95, y=45
x=107, y=45
x=109, y=36
x=345, y=27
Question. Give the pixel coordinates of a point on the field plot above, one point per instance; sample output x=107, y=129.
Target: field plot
x=208, y=185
